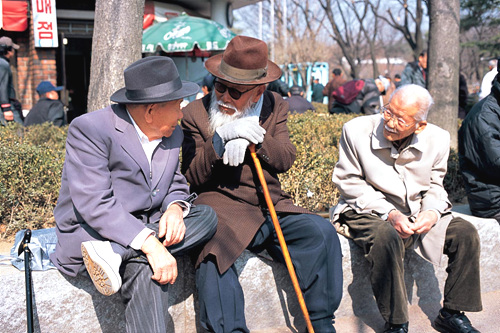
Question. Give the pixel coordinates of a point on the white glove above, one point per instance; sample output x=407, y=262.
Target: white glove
x=235, y=152
x=246, y=128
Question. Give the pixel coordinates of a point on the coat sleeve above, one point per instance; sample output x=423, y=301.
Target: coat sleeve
x=436, y=196
x=277, y=152
x=90, y=185
x=198, y=153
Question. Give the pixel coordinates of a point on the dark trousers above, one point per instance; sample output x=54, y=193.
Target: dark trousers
x=385, y=249
x=146, y=301
x=316, y=255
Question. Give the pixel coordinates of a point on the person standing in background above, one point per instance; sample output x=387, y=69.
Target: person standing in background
x=11, y=108
x=337, y=80
x=317, y=91
x=416, y=72
x=488, y=78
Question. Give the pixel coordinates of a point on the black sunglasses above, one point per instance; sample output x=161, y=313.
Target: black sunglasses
x=235, y=94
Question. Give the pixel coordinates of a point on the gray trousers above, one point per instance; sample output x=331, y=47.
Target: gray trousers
x=145, y=300
x=384, y=249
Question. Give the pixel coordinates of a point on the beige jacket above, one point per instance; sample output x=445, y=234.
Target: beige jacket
x=373, y=178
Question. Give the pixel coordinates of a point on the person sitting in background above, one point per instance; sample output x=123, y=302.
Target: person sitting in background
x=278, y=86
x=463, y=94
x=48, y=108
x=296, y=101
x=360, y=96
x=207, y=85
x=317, y=91
x=479, y=154
x=337, y=80
x=390, y=177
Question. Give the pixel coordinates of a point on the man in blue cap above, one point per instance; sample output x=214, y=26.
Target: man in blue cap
x=48, y=108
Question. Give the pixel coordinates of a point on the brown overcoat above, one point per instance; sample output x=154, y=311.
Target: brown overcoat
x=235, y=192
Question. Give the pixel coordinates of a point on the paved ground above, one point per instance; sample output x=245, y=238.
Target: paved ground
x=487, y=321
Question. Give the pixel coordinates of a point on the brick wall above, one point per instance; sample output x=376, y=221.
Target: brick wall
x=33, y=66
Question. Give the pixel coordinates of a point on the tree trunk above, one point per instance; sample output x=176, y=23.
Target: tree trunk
x=115, y=45
x=443, y=64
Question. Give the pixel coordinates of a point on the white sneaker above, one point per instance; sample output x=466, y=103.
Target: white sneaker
x=103, y=266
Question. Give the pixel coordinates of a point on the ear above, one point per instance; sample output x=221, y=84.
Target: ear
x=421, y=126
x=260, y=90
x=148, y=113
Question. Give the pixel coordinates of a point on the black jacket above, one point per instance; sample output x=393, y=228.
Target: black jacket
x=7, y=92
x=479, y=154
x=46, y=110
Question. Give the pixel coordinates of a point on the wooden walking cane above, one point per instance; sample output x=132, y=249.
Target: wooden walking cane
x=281, y=239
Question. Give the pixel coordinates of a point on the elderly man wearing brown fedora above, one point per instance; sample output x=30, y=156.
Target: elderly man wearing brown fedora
x=124, y=207
x=218, y=129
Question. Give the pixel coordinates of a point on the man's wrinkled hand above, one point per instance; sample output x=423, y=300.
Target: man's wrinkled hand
x=172, y=225
x=246, y=128
x=235, y=152
x=8, y=115
x=425, y=221
x=161, y=261
x=401, y=223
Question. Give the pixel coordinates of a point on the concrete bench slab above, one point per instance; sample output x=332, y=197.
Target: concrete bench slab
x=64, y=304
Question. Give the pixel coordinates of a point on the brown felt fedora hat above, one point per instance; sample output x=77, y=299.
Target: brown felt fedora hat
x=153, y=80
x=244, y=61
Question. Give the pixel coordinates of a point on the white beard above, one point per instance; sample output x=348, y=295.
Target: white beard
x=218, y=118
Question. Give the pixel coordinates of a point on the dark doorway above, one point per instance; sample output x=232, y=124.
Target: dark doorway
x=77, y=53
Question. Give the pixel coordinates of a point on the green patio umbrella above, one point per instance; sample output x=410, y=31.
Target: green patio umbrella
x=183, y=33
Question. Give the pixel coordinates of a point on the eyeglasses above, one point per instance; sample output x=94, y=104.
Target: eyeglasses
x=388, y=115
x=234, y=93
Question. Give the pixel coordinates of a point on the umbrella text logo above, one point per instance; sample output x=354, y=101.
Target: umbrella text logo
x=177, y=32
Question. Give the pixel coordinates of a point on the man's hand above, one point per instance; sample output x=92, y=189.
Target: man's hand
x=424, y=222
x=401, y=223
x=246, y=128
x=172, y=225
x=235, y=152
x=161, y=261
x=8, y=115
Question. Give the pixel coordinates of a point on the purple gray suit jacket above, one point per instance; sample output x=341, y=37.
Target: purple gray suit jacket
x=107, y=190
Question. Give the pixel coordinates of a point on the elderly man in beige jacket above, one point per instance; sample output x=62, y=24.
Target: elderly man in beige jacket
x=390, y=176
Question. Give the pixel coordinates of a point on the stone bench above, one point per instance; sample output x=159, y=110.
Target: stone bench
x=63, y=304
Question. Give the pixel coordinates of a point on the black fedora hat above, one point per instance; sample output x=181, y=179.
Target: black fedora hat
x=153, y=80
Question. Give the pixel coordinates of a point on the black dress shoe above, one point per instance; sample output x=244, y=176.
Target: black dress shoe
x=453, y=323
x=396, y=328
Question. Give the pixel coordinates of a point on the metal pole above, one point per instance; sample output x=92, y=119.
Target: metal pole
x=260, y=20
x=281, y=239
x=272, y=30
x=27, y=275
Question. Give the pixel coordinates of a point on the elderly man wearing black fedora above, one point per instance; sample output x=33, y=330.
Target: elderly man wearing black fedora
x=124, y=207
x=218, y=129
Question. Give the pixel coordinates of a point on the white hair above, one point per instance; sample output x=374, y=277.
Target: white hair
x=415, y=95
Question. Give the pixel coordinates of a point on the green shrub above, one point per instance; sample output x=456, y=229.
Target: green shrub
x=316, y=138
x=31, y=161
